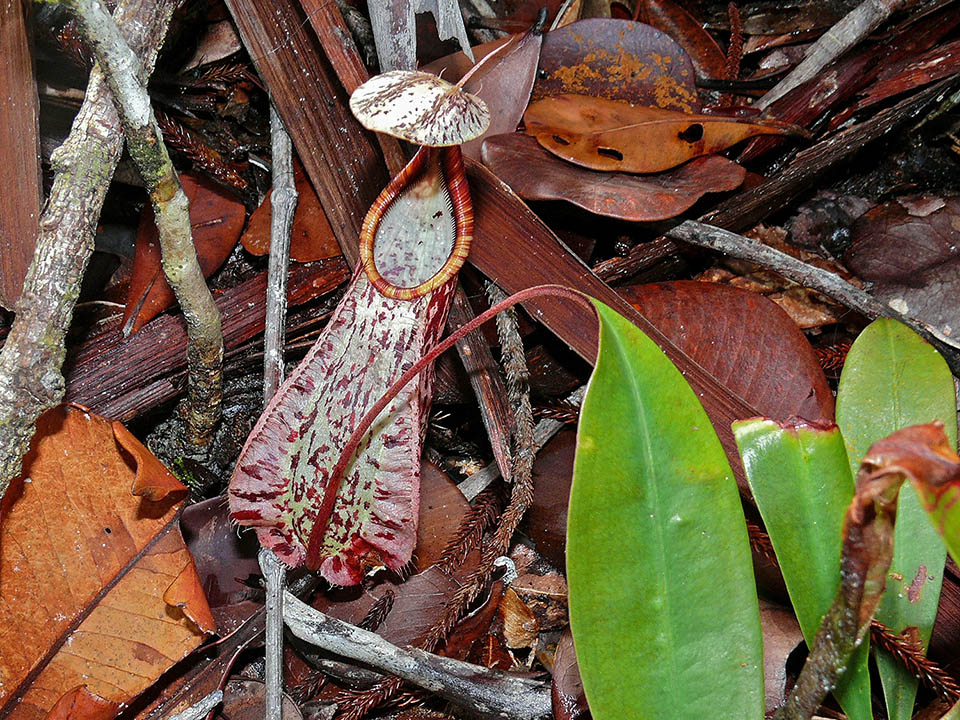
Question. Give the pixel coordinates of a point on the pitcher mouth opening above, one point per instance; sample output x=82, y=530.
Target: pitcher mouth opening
x=436, y=172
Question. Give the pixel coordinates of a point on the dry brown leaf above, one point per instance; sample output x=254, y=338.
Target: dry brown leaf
x=705, y=54
x=520, y=627
x=611, y=135
x=807, y=308
x=99, y=593
x=504, y=84
x=535, y=174
x=311, y=237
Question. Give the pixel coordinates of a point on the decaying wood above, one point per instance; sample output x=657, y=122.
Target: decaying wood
x=746, y=209
x=337, y=43
x=123, y=377
x=850, y=30
x=19, y=151
x=30, y=375
x=486, y=381
x=395, y=32
x=342, y=159
x=172, y=210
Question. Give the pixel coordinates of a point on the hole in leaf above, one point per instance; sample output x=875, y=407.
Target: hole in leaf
x=610, y=153
x=693, y=133
x=108, y=531
x=561, y=140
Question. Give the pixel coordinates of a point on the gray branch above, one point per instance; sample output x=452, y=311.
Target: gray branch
x=851, y=29
x=30, y=376
x=283, y=205
x=201, y=708
x=812, y=277
x=487, y=693
x=172, y=209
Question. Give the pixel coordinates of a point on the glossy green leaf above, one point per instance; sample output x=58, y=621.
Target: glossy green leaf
x=801, y=481
x=892, y=378
x=663, y=605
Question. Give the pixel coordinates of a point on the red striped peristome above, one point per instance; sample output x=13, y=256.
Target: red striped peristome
x=455, y=179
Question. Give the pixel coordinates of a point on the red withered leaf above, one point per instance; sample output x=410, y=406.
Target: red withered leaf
x=100, y=596
x=619, y=60
x=311, y=237
x=896, y=240
x=705, y=54
x=216, y=218
x=504, y=83
x=535, y=174
x=744, y=340
x=612, y=135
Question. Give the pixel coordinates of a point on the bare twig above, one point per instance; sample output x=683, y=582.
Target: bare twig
x=203, y=706
x=812, y=277
x=485, y=691
x=145, y=144
x=30, y=377
x=850, y=30
x=274, y=573
x=281, y=221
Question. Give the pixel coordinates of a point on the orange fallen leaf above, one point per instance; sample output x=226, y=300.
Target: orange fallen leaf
x=217, y=220
x=611, y=135
x=99, y=594
x=311, y=237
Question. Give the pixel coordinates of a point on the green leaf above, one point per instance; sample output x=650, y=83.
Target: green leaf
x=801, y=481
x=893, y=378
x=663, y=605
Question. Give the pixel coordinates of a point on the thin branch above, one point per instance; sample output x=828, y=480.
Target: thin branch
x=284, y=204
x=809, y=276
x=200, y=709
x=274, y=573
x=487, y=692
x=851, y=29
x=179, y=258
x=30, y=376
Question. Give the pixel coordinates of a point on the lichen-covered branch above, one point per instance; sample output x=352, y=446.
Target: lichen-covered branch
x=172, y=210
x=30, y=377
